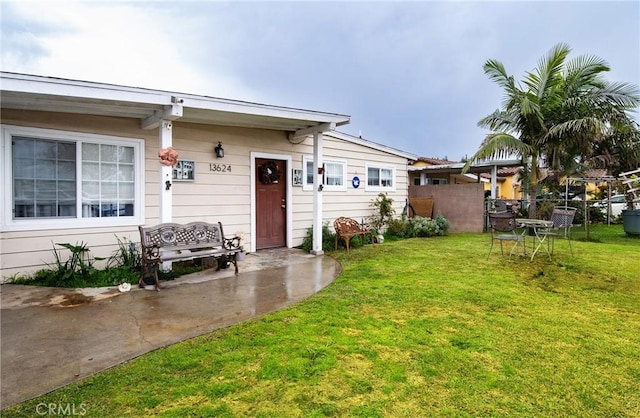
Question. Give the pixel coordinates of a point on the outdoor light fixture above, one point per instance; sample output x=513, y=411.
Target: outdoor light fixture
x=219, y=150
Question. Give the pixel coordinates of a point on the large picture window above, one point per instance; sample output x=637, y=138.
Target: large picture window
x=58, y=179
x=333, y=178
x=380, y=178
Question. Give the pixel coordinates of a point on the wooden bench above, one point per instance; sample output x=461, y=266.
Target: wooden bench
x=347, y=228
x=177, y=242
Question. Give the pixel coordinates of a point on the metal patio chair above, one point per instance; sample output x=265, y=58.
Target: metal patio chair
x=503, y=227
x=562, y=218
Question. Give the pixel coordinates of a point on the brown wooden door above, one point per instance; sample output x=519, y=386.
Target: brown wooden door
x=271, y=220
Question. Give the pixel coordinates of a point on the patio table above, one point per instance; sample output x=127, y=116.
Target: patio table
x=535, y=226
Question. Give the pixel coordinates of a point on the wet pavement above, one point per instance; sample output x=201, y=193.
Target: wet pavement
x=51, y=337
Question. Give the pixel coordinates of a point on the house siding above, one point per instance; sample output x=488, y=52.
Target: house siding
x=212, y=197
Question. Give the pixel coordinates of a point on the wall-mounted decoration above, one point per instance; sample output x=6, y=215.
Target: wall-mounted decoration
x=168, y=156
x=184, y=170
x=355, y=182
x=269, y=173
x=297, y=177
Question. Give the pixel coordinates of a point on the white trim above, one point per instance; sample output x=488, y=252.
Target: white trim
x=176, y=104
x=288, y=193
x=380, y=188
x=370, y=144
x=6, y=194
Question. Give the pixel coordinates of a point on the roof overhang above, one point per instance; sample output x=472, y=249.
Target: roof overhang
x=373, y=145
x=29, y=92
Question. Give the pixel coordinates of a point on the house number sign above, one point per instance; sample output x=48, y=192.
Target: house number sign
x=220, y=168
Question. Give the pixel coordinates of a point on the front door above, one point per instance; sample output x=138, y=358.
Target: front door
x=271, y=222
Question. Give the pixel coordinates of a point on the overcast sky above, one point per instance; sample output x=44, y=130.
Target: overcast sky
x=408, y=73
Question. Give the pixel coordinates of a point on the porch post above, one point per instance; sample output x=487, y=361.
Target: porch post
x=166, y=201
x=317, y=193
x=494, y=177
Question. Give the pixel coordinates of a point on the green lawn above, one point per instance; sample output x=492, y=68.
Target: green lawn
x=419, y=327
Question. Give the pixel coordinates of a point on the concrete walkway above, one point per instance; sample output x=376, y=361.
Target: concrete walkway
x=51, y=337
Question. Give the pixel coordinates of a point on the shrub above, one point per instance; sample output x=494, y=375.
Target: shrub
x=418, y=227
x=384, y=211
x=79, y=271
x=328, y=239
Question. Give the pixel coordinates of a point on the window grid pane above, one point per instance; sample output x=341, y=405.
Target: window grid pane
x=108, y=181
x=43, y=184
x=373, y=177
x=334, y=174
x=386, y=177
x=44, y=178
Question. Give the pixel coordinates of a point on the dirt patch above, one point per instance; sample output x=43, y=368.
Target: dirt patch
x=72, y=299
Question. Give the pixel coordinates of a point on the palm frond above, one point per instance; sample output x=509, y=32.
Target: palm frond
x=496, y=146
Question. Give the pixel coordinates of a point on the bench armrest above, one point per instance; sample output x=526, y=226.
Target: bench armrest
x=232, y=243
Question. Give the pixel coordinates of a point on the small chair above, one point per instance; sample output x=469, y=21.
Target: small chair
x=562, y=218
x=347, y=228
x=503, y=227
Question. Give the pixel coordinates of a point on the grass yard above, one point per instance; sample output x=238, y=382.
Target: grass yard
x=423, y=327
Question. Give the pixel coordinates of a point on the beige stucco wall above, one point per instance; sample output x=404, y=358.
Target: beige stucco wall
x=212, y=197
x=461, y=204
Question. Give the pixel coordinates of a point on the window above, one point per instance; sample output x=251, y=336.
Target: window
x=62, y=179
x=333, y=179
x=380, y=178
x=437, y=181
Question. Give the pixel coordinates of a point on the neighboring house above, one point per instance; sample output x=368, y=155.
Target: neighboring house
x=433, y=171
x=424, y=171
x=80, y=163
x=509, y=183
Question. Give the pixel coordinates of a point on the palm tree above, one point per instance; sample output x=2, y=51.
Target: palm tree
x=564, y=109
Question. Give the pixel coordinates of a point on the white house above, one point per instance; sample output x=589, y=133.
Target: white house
x=80, y=163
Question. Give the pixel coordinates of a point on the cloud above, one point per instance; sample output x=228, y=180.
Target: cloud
x=409, y=73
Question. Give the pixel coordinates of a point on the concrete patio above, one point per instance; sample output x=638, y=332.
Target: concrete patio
x=51, y=337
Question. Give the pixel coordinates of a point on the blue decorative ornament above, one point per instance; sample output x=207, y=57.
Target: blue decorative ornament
x=355, y=182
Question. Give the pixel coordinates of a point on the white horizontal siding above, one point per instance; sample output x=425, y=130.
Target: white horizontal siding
x=213, y=196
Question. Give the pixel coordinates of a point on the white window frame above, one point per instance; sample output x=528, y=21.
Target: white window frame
x=8, y=223
x=325, y=187
x=379, y=188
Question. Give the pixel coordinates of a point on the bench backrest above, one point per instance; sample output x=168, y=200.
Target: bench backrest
x=178, y=236
x=344, y=225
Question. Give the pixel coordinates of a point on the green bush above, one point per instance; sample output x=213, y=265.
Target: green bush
x=328, y=239
x=79, y=271
x=418, y=227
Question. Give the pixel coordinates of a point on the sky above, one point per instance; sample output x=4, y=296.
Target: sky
x=408, y=73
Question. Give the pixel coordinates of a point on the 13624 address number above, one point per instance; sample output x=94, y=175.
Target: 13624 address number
x=220, y=168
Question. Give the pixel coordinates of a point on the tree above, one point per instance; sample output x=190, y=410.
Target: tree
x=557, y=120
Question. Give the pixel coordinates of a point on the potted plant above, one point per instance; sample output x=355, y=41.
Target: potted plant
x=241, y=254
x=631, y=216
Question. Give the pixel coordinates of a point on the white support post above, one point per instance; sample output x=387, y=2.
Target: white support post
x=317, y=194
x=494, y=178
x=166, y=201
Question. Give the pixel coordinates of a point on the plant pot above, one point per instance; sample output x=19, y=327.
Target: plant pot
x=240, y=256
x=631, y=221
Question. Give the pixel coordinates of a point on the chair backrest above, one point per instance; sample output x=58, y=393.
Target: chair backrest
x=344, y=225
x=562, y=216
x=502, y=221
